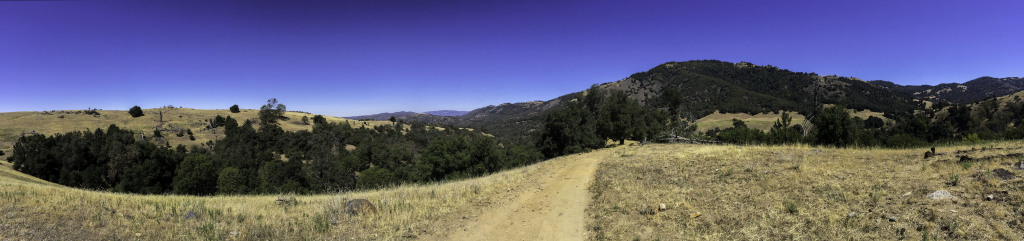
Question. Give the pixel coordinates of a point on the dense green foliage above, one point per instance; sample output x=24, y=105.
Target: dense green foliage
x=833, y=126
x=694, y=89
x=271, y=112
x=331, y=157
x=110, y=159
x=234, y=109
x=135, y=111
x=595, y=116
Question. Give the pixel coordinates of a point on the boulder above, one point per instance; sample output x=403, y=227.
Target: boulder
x=940, y=195
x=360, y=207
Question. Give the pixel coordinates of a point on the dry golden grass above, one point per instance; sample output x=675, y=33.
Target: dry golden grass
x=763, y=121
x=12, y=124
x=34, y=209
x=804, y=193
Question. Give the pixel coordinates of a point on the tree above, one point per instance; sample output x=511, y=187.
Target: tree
x=234, y=109
x=319, y=120
x=392, y=119
x=195, y=174
x=231, y=181
x=782, y=133
x=874, y=122
x=135, y=111
x=271, y=112
x=305, y=120
x=375, y=177
x=218, y=121
x=569, y=130
x=833, y=126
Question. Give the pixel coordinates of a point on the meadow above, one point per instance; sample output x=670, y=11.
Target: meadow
x=175, y=120
x=733, y=192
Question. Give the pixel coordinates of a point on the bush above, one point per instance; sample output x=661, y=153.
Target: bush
x=234, y=109
x=135, y=111
x=231, y=181
x=833, y=126
x=195, y=174
x=375, y=177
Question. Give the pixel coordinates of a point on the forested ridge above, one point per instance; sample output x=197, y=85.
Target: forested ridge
x=331, y=157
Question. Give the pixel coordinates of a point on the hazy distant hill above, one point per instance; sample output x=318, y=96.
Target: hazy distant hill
x=970, y=91
x=408, y=116
x=447, y=112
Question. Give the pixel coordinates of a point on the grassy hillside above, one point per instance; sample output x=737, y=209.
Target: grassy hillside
x=710, y=192
x=13, y=124
x=808, y=193
x=34, y=209
x=763, y=121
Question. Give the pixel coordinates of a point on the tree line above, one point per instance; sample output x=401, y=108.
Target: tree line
x=330, y=157
x=944, y=123
x=594, y=116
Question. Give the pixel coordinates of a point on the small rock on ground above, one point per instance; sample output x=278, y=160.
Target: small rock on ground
x=940, y=195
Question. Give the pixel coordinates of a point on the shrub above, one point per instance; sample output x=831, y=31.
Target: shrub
x=234, y=109
x=136, y=111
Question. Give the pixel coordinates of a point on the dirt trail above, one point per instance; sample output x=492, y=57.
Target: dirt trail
x=549, y=207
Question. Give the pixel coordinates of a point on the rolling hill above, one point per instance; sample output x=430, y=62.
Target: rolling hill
x=970, y=91
x=695, y=89
x=174, y=121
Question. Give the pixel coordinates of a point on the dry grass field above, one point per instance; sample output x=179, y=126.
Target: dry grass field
x=807, y=193
x=13, y=124
x=710, y=192
x=762, y=121
x=34, y=209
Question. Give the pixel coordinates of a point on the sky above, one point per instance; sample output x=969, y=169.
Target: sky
x=344, y=58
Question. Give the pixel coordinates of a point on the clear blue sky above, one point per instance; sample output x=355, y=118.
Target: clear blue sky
x=361, y=57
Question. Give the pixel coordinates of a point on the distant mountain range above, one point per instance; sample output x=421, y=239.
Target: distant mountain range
x=438, y=117
x=694, y=89
x=447, y=112
x=970, y=91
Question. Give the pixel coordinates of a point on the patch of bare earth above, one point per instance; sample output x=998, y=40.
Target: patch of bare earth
x=549, y=206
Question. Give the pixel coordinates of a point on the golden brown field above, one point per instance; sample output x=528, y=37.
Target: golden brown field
x=762, y=121
x=13, y=124
x=710, y=192
x=806, y=193
x=34, y=209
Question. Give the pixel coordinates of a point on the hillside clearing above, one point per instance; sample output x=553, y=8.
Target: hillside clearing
x=175, y=120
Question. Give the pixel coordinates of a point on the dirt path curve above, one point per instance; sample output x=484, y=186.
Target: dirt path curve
x=550, y=207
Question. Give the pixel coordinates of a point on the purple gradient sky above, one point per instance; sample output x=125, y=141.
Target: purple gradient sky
x=361, y=57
